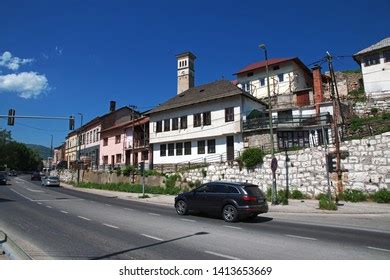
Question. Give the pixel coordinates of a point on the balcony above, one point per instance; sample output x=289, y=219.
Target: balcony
x=323, y=119
x=137, y=144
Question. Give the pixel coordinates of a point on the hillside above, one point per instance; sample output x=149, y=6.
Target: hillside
x=43, y=152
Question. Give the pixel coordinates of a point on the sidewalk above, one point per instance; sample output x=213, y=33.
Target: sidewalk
x=307, y=206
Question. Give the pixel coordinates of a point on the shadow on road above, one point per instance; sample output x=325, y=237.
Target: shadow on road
x=256, y=220
x=147, y=246
x=6, y=200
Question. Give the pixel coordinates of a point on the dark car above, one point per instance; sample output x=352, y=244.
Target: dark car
x=233, y=201
x=36, y=176
x=13, y=173
x=3, y=180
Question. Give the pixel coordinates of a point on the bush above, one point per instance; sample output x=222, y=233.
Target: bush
x=151, y=172
x=353, y=195
x=322, y=195
x=118, y=171
x=129, y=169
x=252, y=157
x=327, y=204
x=170, y=181
x=296, y=194
x=382, y=196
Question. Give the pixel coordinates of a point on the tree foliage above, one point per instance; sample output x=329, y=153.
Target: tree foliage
x=16, y=156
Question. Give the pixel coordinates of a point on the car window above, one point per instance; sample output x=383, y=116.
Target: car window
x=53, y=178
x=204, y=189
x=253, y=190
x=231, y=189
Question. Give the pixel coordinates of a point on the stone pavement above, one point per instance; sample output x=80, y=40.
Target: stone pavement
x=307, y=206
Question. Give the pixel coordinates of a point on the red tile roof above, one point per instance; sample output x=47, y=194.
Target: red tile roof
x=271, y=61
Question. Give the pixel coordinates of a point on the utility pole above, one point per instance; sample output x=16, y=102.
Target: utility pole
x=326, y=163
x=132, y=107
x=336, y=112
x=51, y=152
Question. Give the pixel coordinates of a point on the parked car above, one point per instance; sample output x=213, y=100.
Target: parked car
x=50, y=181
x=3, y=180
x=13, y=173
x=36, y=176
x=233, y=201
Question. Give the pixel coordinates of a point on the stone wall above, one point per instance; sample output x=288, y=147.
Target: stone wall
x=366, y=168
x=364, y=108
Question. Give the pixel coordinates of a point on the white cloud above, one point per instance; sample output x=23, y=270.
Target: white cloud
x=26, y=84
x=13, y=62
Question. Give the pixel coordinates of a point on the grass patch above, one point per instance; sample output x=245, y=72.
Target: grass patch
x=353, y=195
x=327, y=204
x=382, y=196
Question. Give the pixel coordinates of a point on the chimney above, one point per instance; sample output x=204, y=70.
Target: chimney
x=112, y=106
x=185, y=71
x=317, y=87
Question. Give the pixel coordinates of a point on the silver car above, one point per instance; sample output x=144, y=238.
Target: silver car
x=51, y=181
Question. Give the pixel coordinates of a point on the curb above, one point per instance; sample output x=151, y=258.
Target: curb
x=11, y=249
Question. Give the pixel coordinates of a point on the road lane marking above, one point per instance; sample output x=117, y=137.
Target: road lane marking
x=154, y=214
x=48, y=206
x=221, y=255
x=111, y=226
x=62, y=211
x=84, y=218
x=378, y=249
x=152, y=237
x=128, y=209
x=31, y=190
x=233, y=227
x=107, y=204
x=188, y=220
x=22, y=195
x=39, y=203
x=300, y=237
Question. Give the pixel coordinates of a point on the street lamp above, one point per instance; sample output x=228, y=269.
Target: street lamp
x=79, y=148
x=274, y=198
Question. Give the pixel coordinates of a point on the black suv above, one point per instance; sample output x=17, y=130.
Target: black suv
x=233, y=201
x=36, y=176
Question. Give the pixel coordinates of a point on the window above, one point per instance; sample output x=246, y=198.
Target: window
x=211, y=146
x=230, y=189
x=175, y=124
x=167, y=125
x=159, y=126
x=276, y=67
x=145, y=155
x=105, y=141
x=163, y=150
x=183, y=122
x=171, y=149
x=218, y=188
x=386, y=56
x=229, y=114
x=118, y=158
x=97, y=135
x=204, y=188
x=281, y=77
x=90, y=137
x=105, y=159
x=197, y=120
x=371, y=59
x=207, y=118
x=187, y=148
x=201, y=147
x=250, y=74
x=87, y=137
x=179, y=149
x=117, y=139
x=262, y=81
x=246, y=86
x=94, y=136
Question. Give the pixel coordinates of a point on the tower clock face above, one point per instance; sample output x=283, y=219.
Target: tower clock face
x=182, y=72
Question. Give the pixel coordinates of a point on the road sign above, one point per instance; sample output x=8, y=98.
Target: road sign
x=274, y=164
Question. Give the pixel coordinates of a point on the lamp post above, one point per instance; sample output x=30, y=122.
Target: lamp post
x=274, y=198
x=79, y=148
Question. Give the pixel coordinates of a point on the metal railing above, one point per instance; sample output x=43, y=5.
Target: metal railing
x=287, y=122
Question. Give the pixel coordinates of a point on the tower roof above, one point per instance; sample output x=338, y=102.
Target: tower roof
x=187, y=53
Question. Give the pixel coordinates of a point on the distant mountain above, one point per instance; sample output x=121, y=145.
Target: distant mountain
x=43, y=152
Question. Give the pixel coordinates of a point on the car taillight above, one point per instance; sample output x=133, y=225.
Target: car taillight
x=249, y=198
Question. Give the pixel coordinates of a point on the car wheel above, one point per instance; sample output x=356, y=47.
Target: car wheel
x=181, y=207
x=230, y=214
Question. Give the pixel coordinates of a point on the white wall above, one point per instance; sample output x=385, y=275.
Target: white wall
x=376, y=78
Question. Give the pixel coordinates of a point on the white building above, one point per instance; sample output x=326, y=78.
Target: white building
x=287, y=75
x=375, y=64
x=201, y=123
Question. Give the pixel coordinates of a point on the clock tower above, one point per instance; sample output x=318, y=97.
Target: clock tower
x=185, y=71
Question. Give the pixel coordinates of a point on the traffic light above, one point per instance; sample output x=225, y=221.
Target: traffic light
x=11, y=118
x=331, y=163
x=141, y=166
x=71, y=123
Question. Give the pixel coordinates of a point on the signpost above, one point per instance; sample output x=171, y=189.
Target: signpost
x=274, y=166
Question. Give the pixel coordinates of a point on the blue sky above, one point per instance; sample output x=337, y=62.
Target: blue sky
x=60, y=58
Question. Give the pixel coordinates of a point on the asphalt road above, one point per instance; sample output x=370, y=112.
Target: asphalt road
x=58, y=223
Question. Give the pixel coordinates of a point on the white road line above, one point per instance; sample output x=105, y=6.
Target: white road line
x=31, y=190
x=111, y=226
x=107, y=204
x=378, y=249
x=188, y=220
x=152, y=237
x=39, y=203
x=84, y=218
x=128, y=209
x=154, y=214
x=48, y=206
x=221, y=255
x=62, y=211
x=300, y=237
x=22, y=195
x=233, y=227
